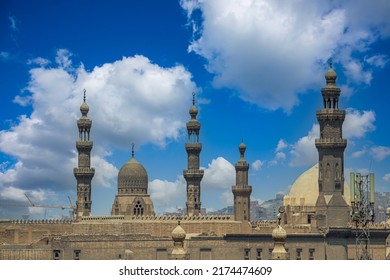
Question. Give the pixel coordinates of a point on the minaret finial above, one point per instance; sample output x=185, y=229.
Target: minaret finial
x=132, y=150
x=84, y=94
x=331, y=62
x=193, y=98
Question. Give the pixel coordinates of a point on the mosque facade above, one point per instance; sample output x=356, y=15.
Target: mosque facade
x=313, y=224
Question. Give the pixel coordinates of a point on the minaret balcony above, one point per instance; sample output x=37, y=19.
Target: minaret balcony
x=196, y=147
x=84, y=122
x=243, y=190
x=83, y=172
x=330, y=114
x=193, y=173
x=331, y=142
x=87, y=145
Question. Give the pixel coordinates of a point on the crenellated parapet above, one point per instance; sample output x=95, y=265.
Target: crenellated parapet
x=44, y=221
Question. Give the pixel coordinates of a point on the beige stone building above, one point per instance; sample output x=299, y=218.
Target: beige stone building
x=314, y=223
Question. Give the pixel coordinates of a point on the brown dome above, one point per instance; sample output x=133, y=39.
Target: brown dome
x=132, y=178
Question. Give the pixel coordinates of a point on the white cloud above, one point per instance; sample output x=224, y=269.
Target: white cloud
x=40, y=61
x=227, y=198
x=4, y=55
x=131, y=99
x=257, y=164
x=377, y=60
x=251, y=45
x=220, y=174
x=304, y=151
x=17, y=194
x=380, y=152
x=167, y=195
x=13, y=23
x=280, y=155
x=281, y=145
x=354, y=71
x=386, y=177
x=359, y=154
x=357, y=123
x=62, y=59
x=22, y=100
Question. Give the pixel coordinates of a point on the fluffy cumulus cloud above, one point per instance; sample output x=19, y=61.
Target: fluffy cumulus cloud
x=258, y=164
x=256, y=46
x=220, y=174
x=168, y=196
x=304, y=151
x=358, y=123
x=379, y=153
x=131, y=99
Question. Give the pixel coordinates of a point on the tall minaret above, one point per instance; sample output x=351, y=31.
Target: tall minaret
x=84, y=173
x=331, y=207
x=242, y=191
x=193, y=174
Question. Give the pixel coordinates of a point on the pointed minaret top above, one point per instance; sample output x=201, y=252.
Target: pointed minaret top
x=242, y=149
x=331, y=75
x=193, y=109
x=84, y=108
x=132, y=150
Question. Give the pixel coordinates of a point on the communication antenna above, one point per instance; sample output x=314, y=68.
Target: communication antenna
x=362, y=202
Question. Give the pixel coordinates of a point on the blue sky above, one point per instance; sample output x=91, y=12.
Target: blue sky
x=257, y=68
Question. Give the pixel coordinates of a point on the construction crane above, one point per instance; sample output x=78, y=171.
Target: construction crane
x=72, y=207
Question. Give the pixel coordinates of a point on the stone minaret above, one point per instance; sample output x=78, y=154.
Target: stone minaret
x=242, y=191
x=331, y=207
x=193, y=174
x=84, y=173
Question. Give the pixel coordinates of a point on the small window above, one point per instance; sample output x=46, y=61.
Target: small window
x=258, y=254
x=309, y=219
x=56, y=254
x=311, y=253
x=299, y=254
x=120, y=256
x=76, y=254
x=270, y=252
x=247, y=253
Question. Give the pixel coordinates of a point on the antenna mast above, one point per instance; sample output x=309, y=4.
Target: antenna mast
x=362, y=202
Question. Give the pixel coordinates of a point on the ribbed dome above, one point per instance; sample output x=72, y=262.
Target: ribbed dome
x=132, y=178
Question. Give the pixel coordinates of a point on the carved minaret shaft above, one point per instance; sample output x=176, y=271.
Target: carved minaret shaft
x=193, y=175
x=242, y=191
x=84, y=173
x=332, y=210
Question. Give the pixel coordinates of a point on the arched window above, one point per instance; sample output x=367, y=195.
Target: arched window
x=138, y=209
